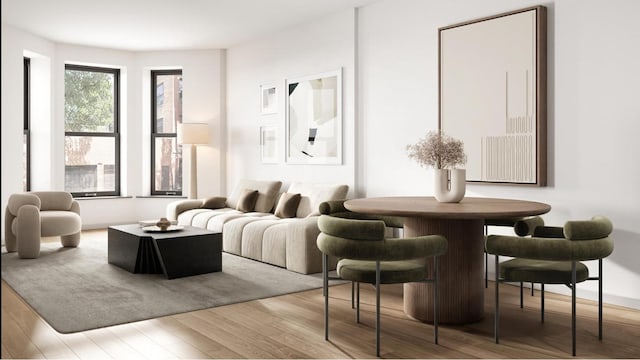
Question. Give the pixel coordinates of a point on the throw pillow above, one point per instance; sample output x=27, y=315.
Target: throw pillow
x=287, y=205
x=247, y=200
x=215, y=202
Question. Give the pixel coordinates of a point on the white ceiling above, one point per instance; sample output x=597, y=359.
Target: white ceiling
x=145, y=25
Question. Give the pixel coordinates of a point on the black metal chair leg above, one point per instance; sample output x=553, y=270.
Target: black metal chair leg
x=378, y=308
x=573, y=306
x=600, y=299
x=521, y=295
x=496, y=328
x=436, y=302
x=542, y=302
x=357, y=302
x=325, y=290
x=486, y=260
x=352, y=301
x=486, y=270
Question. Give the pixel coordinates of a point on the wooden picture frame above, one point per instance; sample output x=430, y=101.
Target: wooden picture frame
x=493, y=95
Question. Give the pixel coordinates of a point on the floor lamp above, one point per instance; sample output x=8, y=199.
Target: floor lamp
x=193, y=134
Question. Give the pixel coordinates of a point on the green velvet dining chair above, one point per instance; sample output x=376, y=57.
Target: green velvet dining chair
x=392, y=225
x=367, y=256
x=522, y=226
x=553, y=255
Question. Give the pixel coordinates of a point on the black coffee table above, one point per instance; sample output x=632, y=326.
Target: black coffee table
x=190, y=251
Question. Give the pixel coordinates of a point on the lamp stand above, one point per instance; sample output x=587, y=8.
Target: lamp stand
x=193, y=188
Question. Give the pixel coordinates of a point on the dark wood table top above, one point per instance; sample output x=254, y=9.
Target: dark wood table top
x=429, y=207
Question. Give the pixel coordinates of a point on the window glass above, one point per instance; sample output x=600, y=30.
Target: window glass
x=91, y=131
x=89, y=101
x=168, y=165
x=89, y=164
x=166, y=162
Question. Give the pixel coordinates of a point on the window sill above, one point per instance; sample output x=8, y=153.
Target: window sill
x=131, y=197
x=102, y=197
x=160, y=197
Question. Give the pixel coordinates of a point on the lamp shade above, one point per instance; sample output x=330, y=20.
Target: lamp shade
x=193, y=133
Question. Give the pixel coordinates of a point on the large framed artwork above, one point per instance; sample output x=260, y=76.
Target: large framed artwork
x=492, y=88
x=314, y=119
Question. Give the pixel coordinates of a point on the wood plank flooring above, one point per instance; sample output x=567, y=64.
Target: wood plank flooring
x=291, y=326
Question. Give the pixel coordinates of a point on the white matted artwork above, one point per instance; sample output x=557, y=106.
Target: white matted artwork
x=269, y=144
x=493, y=95
x=268, y=99
x=314, y=119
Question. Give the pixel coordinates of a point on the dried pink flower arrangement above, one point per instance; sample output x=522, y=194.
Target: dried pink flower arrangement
x=439, y=151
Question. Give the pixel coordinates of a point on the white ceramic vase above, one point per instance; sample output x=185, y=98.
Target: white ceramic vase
x=450, y=185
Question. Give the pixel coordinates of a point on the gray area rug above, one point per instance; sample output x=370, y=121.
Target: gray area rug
x=76, y=289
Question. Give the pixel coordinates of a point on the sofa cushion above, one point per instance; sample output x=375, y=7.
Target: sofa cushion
x=267, y=193
x=199, y=217
x=287, y=205
x=274, y=243
x=247, y=200
x=214, y=220
x=252, y=237
x=312, y=195
x=232, y=231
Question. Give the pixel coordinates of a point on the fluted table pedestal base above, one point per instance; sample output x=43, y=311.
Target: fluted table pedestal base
x=461, y=272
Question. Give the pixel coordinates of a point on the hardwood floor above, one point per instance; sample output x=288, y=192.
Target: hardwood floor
x=291, y=326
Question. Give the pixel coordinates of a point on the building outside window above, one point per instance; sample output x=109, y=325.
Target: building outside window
x=92, y=138
x=160, y=94
x=166, y=114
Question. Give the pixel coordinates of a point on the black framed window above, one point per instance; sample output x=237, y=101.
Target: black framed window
x=166, y=114
x=92, y=131
x=26, y=135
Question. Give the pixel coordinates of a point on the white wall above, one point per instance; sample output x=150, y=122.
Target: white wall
x=203, y=99
x=312, y=48
x=593, y=114
x=14, y=45
x=98, y=212
x=202, y=84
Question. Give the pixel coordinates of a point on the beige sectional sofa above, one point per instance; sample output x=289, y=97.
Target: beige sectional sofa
x=288, y=242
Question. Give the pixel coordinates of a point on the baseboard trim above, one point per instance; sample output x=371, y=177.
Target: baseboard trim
x=584, y=294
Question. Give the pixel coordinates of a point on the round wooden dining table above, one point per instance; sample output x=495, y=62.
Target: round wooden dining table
x=461, y=294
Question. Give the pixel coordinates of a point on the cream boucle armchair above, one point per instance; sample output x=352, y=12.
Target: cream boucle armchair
x=32, y=215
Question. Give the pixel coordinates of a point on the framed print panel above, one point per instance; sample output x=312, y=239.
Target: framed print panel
x=269, y=144
x=314, y=119
x=492, y=88
x=268, y=99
